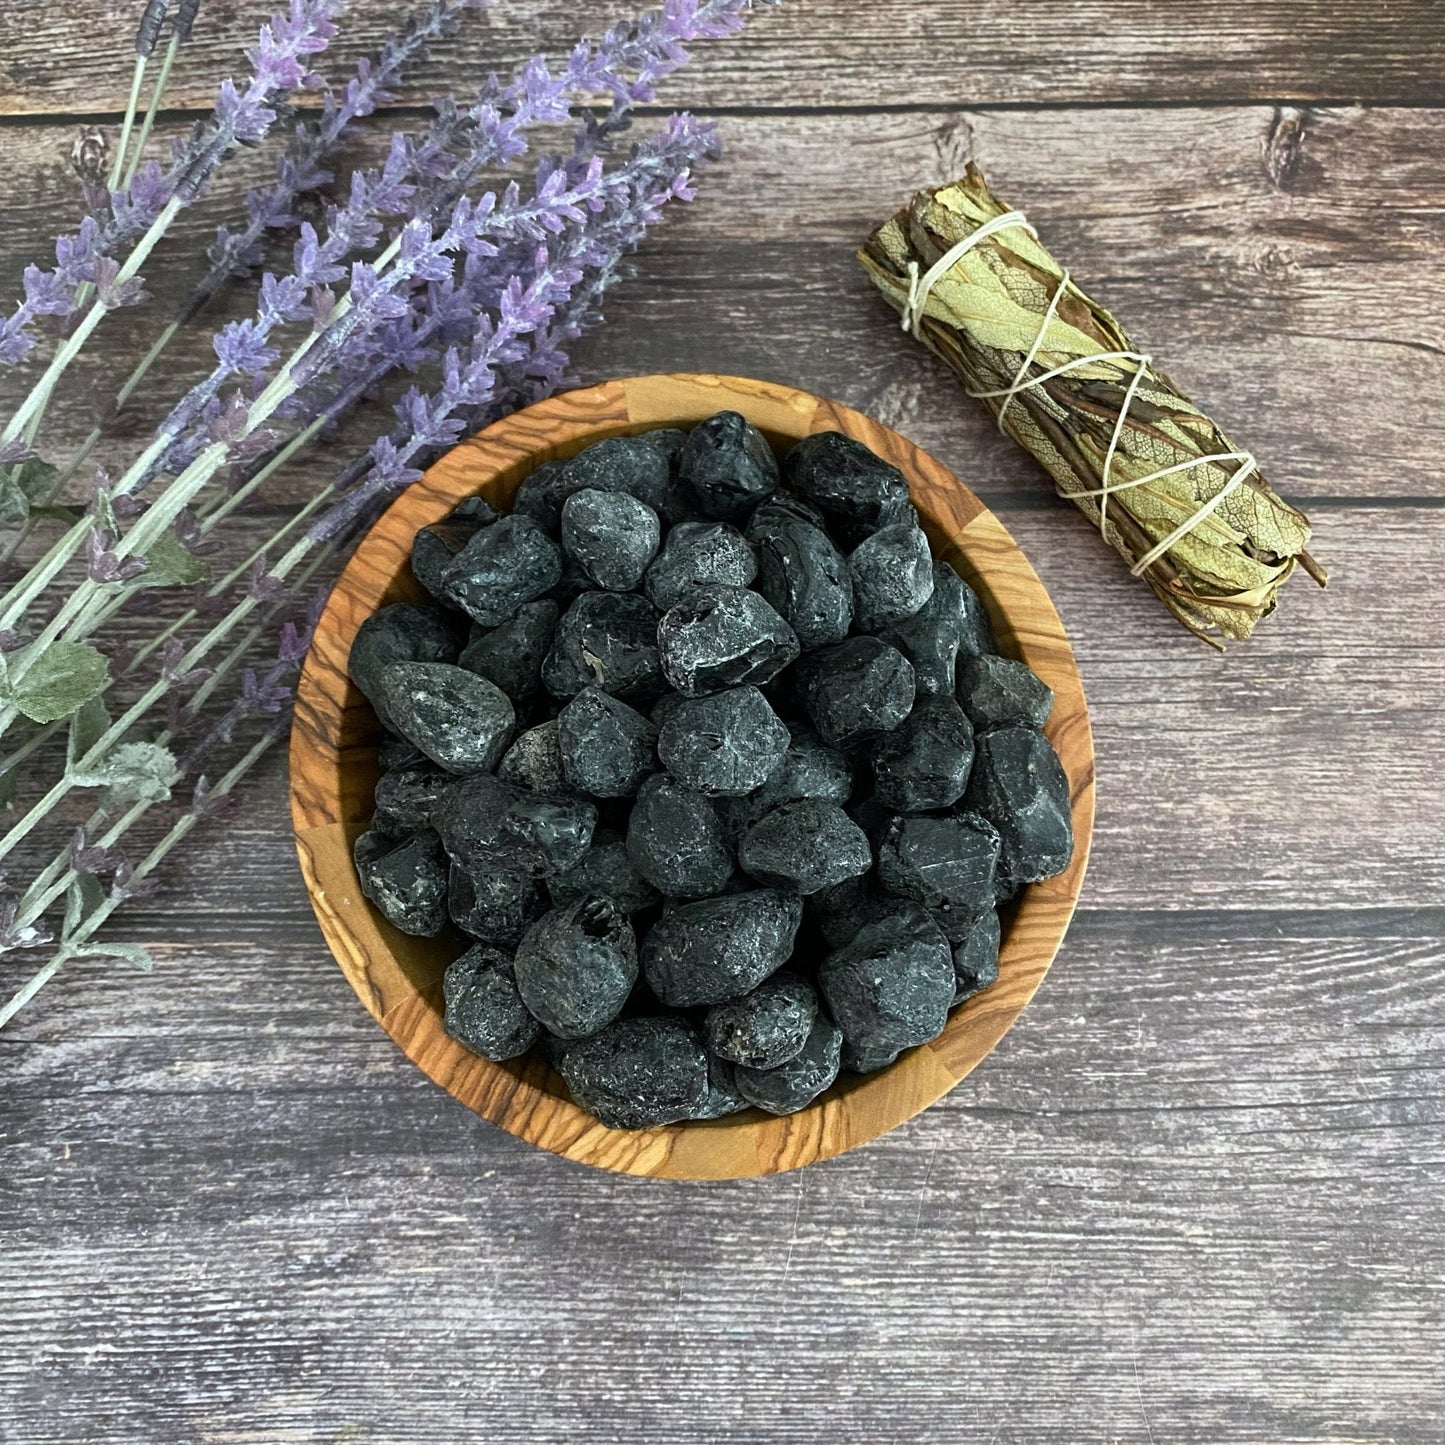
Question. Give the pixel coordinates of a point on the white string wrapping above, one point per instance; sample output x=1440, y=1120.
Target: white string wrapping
x=921, y=286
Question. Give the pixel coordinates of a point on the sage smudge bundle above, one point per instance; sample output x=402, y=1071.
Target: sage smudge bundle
x=1187, y=509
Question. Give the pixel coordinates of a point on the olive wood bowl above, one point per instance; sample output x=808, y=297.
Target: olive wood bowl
x=333, y=771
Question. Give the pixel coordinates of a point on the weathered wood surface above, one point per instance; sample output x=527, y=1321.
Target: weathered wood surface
x=1194, y=1195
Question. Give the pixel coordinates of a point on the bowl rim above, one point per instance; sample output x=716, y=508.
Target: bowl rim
x=398, y=977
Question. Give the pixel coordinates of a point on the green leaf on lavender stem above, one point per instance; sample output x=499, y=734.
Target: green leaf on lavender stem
x=82, y=898
x=87, y=725
x=57, y=680
x=131, y=773
x=136, y=953
x=168, y=564
x=23, y=488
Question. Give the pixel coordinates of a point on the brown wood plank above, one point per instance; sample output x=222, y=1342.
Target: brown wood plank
x=839, y=53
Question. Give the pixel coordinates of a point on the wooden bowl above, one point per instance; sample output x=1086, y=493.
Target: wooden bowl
x=398, y=978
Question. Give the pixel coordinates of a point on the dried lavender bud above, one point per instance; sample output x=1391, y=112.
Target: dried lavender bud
x=997, y=692
x=606, y=871
x=720, y=948
x=611, y=536
x=945, y=864
x=766, y=1027
x=541, y=495
x=860, y=492
x=722, y=637
x=855, y=690
x=722, y=1097
x=676, y=842
x=406, y=796
x=481, y=819
x=608, y=639
x=892, y=986
x=1020, y=786
x=635, y=466
x=639, y=1073
x=804, y=847
x=975, y=957
x=459, y=720
x=576, y=966
x=794, y=1085
x=696, y=554
x=483, y=1010
x=534, y=761
x=607, y=747
x=892, y=574
x=727, y=466
x=923, y=764
x=950, y=625
x=729, y=743
x=511, y=655
x=435, y=548
x=802, y=574
x=399, y=633
x=494, y=902
x=407, y=880
x=511, y=562
x=394, y=752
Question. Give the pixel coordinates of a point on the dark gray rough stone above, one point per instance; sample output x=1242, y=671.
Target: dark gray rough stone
x=534, y=761
x=511, y=655
x=726, y=744
x=394, y=752
x=607, y=747
x=676, y=841
x=720, y=948
x=611, y=536
x=727, y=467
x=606, y=871
x=540, y=496
x=461, y=721
x=975, y=957
x=483, y=819
x=998, y=692
x=855, y=690
x=867, y=1061
x=494, y=901
x=794, y=1085
x=483, y=1010
x=405, y=878
x=809, y=769
x=892, y=986
x=722, y=1097
x=399, y=633
x=576, y=966
x=719, y=637
x=858, y=491
x=511, y=562
x=951, y=625
x=923, y=764
x=945, y=863
x=766, y=1027
x=1019, y=785
x=696, y=554
x=892, y=574
x=606, y=639
x=802, y=574
x=637, y=466
x=840, y=911
x=804, y=847
x=405, y=797
x=638, y=1073
x=434, y=548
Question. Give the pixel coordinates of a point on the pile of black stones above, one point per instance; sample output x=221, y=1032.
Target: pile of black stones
x=714, y=766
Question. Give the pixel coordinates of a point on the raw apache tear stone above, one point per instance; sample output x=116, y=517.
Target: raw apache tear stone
x=727, y=466
x=434, y=548
x=611, y=536
x=997, y=692
x=809, y=769
x=405, y=878
x=459, y=720
x=719, y=637
x=720, y=948
x=606, y=639
x=975, y=957
x=843, y=478
x=399, y=633
x=639, y=1073
x=943, y=863
x=534, y=761
x=802, y=574
x=607, y=747
x=511, y=562
x=494, y=901
x=576, y=966
x=855, y=690
x=923, y=764
x=840, y=911
x=606, y=871
x=892, y=574
x=637, y=467
x=483, y=1009
x=722, y=1097
x=795, y=1084
x=729, y=743
x=676, y=842
x=766, y=1027
x=950, y=625
x=696, y=554
x=1020, y=786
x=481, y=819
x=406, y=796
x=804, y=847
x=511, y=655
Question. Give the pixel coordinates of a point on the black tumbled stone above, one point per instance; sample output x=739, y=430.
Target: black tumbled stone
x=541, y=494
x=481, y=818
x=676, y=841
x=483, y=1009
x=844, y=479
x=975, y=957
x=804, y=847
x=802, y=574
x=606, y=871
x=635, y=466
x=892, y=574
x=998, y=692
x=406, y=796
x=943, y=863
x=511, y=654
x=639, y=1073
x=867, y=1061
x=405, y=878
x=720, y=948
x=607, y=747
x=576, y=966
x=394, y=752
x=726, y=467
x=722, y=1097
x=606, y=639
x=461, y=721
x=949, y=626
x=840, y=911
x=511, y=562
x=611, y=536
x=809, y=769
x=399, y=633
x=923, y=764
x=794, y=1085
x=1020, y=786
x=891, y=987
x=766, y=1027
x=855, y=690
x=719, y=637
x=434, y=548
x=696, y=554
x=534, y=761
x=494, y=901
x=726, y=744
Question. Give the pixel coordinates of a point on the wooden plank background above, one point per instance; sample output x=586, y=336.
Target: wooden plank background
x=1195, y=1194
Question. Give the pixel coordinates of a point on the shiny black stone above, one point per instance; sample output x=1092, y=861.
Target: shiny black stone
x=493, y=901
x=719, y=637
x=720, y=948
x=975, y=957
x=722, y=1097
x=943, y=863
x=802, y=574
x=997, y=692
x=405, y=878
x=483, y=1009
x=638, y=1073
x=804, y=847
x=482, y=819
x=855, y=690
x=607, y=747
x=511, y=562
x=434, y=548
x=406, y=796
x=923, y=764
x=511, y=655
x=459, y=720
x=576, y=966
x=766, y=1027
x=394, y=752
x=892, y=574
x=608, y=639
x=637, y=466
x=534, y=761
x=541, y=494
x=794, y=1085
x=809, y=769
x=607, y=872
x=696, y=554
x=399, y=633
x=675, y=840
x=858, y=491
x=951, y=624
x=1020, y=786
x=611, y=536
x=727, y=467
x=729, y=743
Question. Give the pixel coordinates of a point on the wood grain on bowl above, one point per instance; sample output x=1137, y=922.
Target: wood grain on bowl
x=398, y=978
